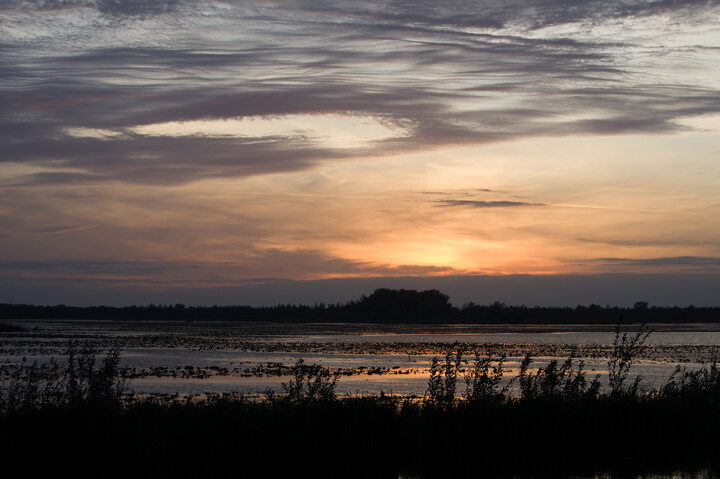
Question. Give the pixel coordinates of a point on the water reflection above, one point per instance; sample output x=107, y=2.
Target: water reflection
x=196, y=358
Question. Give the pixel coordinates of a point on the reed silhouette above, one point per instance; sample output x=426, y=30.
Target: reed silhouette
x=82, y=379
x=80, y=411
x=310, y=383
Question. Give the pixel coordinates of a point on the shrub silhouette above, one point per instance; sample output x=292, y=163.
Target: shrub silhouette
x=688, y=385
x=310, y=383
x=442, y=383
x=484, y=378
x=624, y=353
x=83, y=379
x=556, y=382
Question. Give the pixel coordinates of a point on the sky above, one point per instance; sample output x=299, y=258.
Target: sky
x=230, y=152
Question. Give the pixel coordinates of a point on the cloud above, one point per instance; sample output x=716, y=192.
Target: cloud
x=136, y=7
x=464, y=193
x=70, y=268
x=663, y=241
x=159, y=160
x=61, y=229
x=467, y=198
x=114, y=7
x=491, y=13
x=252, y=264
x=494, y=13
x=699, y=261
x=442, y=73
x=485, y=204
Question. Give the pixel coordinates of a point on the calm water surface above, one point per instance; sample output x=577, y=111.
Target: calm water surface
x=225, y=357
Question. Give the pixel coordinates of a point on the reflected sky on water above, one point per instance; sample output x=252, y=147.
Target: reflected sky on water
x=166, y=351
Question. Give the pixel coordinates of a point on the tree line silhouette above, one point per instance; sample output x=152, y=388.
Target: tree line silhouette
x=382, y=306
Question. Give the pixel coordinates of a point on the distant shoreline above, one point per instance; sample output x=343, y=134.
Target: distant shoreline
x=484, y=315
x=383, y=306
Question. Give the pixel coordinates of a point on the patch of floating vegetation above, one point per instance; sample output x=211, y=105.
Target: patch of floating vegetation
x=11, y=328
x=44, y=341
x=671, y=353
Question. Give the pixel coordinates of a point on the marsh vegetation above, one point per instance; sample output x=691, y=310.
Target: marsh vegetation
x=473, y=420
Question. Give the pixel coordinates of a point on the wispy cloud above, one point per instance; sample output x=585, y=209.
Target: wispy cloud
x=485, y=204
x=443, y=73
x=114, y=7
x=269, y=262
x=61, y=229
x=467, y=192
x=208, y=142
x=670, y=261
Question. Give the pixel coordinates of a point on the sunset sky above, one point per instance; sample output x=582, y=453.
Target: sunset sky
x=297, y=151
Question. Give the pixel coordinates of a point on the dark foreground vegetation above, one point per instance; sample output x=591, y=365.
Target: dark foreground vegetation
x=382, y=306
x=79, y=415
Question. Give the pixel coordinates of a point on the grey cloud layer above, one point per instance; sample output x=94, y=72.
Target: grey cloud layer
x=689, y=261
x=487, y=13
x=116, y=7
x=274, y=262
x=439, y=72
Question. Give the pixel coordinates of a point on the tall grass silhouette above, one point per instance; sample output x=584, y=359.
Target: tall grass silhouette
x=560, y=422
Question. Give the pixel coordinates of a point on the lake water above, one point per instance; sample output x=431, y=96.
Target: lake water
x=200, y=357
